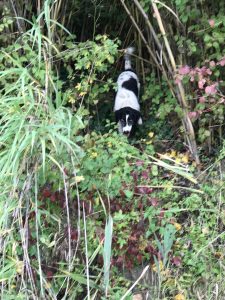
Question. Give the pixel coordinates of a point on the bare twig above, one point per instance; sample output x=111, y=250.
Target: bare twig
x=141, y=34
x=17, y=19
x=159, y=45
x=135, y=283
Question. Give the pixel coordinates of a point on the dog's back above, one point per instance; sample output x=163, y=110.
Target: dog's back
x=127, y=108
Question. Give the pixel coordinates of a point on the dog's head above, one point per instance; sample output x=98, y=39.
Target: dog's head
x=128, y=118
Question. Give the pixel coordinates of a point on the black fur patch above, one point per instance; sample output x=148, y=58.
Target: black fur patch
x=134, y=115
x=131, y=85
x=131, y=70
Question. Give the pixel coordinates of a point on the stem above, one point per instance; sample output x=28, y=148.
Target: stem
x=141, y=34
x=189, y=130
x=159, y=45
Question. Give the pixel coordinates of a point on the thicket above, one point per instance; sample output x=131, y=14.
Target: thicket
x=84, y=212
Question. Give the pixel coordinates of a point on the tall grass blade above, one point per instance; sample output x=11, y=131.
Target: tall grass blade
x=107, y=252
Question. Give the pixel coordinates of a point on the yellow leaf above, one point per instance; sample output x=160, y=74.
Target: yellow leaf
x=71, y=100
x=19, y=267
x=94, y=154
x=78, y=86
x=79, y=179
x=177, y=226
x=13, y=286
x=88, y=65
x=185, y=158
x=179, y=297
x=173, y=153
x=160, y=266
x=82, y=94
x=97, y=200
x=151, y=134
x=177, y=160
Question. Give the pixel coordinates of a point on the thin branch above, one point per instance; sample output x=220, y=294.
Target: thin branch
x=136, y=282
x=159, y=45
x=141, y=34
x=190, y=134
x=17, y=19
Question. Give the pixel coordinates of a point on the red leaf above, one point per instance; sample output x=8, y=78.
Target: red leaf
x=221, y=62
x=211, y=89
x=192, y=114
x=201, y=83
x=74, y=234
x=139, y=258
x=53, y=197
x=201, y=100
x=211, y=23
x=49, y=275
x=184, y=70
x=151, y=249
x=139, y=163
x=122, y=194
x=178, y=80
x=46, y=193
x=132, y=250
x=144, y=174
x=161, y=214
x=143, y=190
x=176, y=260
x=129, y=265
x=202, y=72
x=153, y=201
x=134, y=175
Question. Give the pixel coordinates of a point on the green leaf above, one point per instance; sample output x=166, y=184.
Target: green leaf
x=129, y=194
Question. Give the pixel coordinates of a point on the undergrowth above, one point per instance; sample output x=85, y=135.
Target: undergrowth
x=85, y=213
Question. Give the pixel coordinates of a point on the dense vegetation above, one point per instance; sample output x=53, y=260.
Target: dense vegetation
x=85, y=213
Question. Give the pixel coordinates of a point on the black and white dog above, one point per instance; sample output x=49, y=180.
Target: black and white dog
x=127, y=108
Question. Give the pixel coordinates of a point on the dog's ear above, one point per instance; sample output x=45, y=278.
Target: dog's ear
x=140, y=121
x=118, y=115
x=137, y=117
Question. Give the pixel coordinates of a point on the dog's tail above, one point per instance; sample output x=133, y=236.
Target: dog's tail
x=127, y=58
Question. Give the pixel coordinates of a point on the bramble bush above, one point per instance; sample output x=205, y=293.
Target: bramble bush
x=207, y=98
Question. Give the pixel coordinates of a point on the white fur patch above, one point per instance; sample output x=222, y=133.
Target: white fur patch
x=125, y=76
x=125, y=97
x=128, y=127
x=140, y=121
